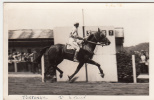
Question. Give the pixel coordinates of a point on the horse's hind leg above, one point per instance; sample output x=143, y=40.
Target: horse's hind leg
x=76, y=71
x=46, y=72
x=98, y=65
x=58, y=61
x=54, y=68
x=60, y=71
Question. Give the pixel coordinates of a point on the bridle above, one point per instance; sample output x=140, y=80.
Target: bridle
x=96, y=38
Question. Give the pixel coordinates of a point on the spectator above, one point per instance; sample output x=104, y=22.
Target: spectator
x=18, y=56
x=10, y=58
x=15, y=57
x=143, y=58
x=22, y=56
x=33, y=56
x=143, y=61
x=27, y=59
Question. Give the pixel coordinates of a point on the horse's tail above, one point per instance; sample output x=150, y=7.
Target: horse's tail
x=42, y=51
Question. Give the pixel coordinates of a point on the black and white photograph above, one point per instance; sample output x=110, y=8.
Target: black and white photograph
x=77, y=50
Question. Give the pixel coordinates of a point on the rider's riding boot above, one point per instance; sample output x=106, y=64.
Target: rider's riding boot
x=75, y=56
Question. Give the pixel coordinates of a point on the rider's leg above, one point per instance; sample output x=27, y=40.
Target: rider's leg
x=76, y=46
x=75, y=55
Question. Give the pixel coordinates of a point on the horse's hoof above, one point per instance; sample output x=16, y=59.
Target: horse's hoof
x=61, y=75
x=102, y=75
x=74, y=79
x=69, y=78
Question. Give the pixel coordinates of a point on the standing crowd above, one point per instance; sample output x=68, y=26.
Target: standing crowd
x=25, y=58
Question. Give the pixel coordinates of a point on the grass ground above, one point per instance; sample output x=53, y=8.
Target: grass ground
x=34, y=86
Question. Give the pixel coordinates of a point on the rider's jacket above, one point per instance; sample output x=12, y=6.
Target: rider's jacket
x=73, y=35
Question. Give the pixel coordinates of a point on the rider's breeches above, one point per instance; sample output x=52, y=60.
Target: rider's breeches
x=76, y=46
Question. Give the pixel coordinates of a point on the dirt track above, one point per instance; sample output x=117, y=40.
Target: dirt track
x=34, y=86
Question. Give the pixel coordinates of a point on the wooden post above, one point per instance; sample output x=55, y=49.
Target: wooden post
x=43, y=67
x=84, y=36
x=134, y=68
x=15, y=66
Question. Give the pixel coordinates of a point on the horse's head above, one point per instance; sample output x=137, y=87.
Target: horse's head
x=101, y=37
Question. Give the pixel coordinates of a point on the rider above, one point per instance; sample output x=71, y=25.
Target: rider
x=74, y=40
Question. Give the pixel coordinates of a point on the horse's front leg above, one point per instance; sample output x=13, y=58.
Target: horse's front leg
x=98, y=65
x=76, y=71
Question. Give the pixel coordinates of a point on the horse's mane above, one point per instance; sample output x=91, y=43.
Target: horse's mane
x=90, y=36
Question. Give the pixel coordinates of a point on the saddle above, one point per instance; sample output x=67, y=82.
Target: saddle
x=69, y=49
x=70, y=52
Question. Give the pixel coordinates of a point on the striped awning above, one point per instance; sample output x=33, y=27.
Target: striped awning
x=30, y=33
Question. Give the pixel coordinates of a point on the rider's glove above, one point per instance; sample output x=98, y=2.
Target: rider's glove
x=84, y=39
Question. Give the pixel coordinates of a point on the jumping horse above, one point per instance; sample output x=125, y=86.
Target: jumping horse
x=58, y=52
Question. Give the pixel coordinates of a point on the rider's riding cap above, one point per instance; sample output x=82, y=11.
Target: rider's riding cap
x=76, y=24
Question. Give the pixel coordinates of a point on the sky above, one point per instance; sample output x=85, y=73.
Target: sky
x=136, y=19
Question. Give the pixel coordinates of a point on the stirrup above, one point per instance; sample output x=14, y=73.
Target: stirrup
x=75, y=60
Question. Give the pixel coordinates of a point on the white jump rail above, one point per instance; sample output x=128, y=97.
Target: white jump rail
x=15, y=67
x=43, y=67
x=134, y=69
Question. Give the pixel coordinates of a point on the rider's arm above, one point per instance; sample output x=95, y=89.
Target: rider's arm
x=78, y=37
x=74, y=34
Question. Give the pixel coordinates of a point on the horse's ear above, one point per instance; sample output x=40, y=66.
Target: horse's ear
x=98, y=30
x=105, y=33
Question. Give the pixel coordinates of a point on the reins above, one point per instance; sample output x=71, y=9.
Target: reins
x=94, y=42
